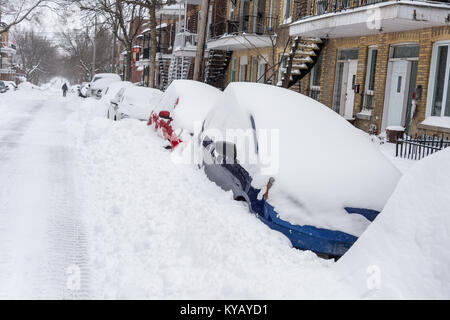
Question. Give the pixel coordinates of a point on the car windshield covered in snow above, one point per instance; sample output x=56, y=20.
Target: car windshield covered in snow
x=322, y=166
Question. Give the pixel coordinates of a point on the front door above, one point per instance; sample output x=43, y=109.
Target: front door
x=397, y=93
x=349, y=87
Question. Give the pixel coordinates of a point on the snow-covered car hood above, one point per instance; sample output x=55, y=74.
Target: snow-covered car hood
x=321, y=163
x=104, y=81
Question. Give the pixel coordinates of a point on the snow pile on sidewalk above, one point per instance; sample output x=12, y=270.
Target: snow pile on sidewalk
x=161, y=230
x=404, y=252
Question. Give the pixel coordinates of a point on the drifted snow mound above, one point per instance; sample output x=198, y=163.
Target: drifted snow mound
x=404, y=253
x=195, y=100
x=320, y=162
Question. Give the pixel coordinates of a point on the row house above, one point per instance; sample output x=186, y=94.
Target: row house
x=378, y=63
x=385, y=63
x=7, y=57
x=176, y=34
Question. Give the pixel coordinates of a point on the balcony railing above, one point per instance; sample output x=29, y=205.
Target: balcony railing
x=8, y=47
x=327, y=6
x=185, y=40
x=246, y=24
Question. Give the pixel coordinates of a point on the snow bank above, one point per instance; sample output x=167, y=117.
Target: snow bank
x=195, y=99
x=404, y=253
x=321, y=163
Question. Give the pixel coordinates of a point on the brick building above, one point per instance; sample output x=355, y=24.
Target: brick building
x=7, y=57
x=378, y=56
x=365, y=59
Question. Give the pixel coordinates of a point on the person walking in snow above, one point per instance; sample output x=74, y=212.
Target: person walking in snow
x=64, y=89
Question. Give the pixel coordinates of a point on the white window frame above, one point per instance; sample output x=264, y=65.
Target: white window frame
x=431, y=79
x=287, y=19
x=367, y=91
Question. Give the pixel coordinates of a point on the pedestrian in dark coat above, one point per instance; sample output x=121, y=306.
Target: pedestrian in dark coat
x=64, y=89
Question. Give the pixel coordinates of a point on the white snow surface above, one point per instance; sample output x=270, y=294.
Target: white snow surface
x=404, y=253
x=195, y=100
x=320, y=162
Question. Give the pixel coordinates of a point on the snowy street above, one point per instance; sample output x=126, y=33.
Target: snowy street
x=41, y=232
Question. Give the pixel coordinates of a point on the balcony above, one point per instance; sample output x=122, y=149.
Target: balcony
x=353, y=18
x=7, y=47
x=246, y=32
x=185, y=44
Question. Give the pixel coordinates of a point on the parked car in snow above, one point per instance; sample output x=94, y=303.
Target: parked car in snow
x=11, y=85
x=75, y=88
x=100, y=82
x=180, y=107
x=131, y=101
x=83, y=91
x=303, y=169
x=3, y=87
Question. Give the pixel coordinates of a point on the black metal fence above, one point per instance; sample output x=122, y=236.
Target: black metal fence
x=419, y=147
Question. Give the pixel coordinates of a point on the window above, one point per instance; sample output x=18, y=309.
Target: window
x=254, y=69
x=440, y=81
x=406, y=51
x=261, y=71
x=348, y=54
x=233, y=70
x=316, y=73
x=287, y=10
x=230, y=10
x=243, y=62
x=370, y=78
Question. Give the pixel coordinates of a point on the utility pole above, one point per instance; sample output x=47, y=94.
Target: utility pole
x=94, y=56
x=201, y=40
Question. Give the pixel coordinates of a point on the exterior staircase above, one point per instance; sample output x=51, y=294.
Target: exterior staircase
x=163, y=64
x=302, y=58
x=216, y=67
x=179, y=68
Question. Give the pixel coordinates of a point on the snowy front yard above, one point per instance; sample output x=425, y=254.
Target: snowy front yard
x=151, y=228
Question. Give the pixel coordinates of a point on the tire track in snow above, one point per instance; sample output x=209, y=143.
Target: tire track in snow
x=43, y=249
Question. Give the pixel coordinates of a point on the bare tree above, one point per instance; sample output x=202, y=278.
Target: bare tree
x=124, y=20
x=15, y=12
x=37, y=56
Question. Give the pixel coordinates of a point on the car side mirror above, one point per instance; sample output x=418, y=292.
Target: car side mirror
x=227, y=150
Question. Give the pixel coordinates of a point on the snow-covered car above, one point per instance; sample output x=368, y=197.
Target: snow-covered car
x=100, y=82
x=11, y=85
x=132, y=101
x=75, y=88
x=184, y=104
x=3, y=87
x=84, y=90
x=303, y=170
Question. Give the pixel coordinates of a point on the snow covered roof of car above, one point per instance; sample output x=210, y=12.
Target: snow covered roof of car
x=188, y=102
x=320, y=161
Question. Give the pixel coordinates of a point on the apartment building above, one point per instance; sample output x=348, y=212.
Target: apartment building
x=7, y=57
x=176, y=33
x=385, y=64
